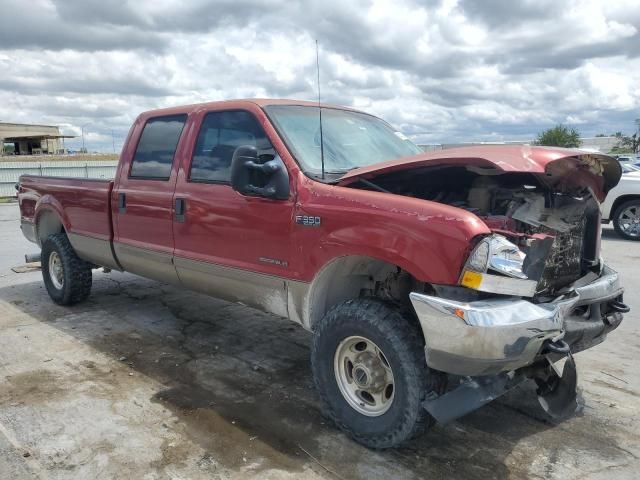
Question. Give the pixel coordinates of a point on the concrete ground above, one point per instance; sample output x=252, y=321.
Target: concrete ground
x=148, y=381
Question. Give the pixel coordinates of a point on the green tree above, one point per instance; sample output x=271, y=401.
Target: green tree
x=559, y=136
x=628, y=143
x=631, y=143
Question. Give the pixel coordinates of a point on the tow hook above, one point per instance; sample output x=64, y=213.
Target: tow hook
x=557, y=391
x=618, y=306
x=615, y=309
x=558, y=346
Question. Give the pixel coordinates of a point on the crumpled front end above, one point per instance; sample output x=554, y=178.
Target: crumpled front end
x=495, y=344
x=542, y=205
x=542, y=242
x=499, y=334
x=532, y=291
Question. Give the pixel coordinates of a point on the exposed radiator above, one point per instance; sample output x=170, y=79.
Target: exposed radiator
x=564, y=264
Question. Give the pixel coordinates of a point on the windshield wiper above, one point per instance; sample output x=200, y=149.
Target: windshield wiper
x=342, y=171
x=337, y=174
x=373, y=185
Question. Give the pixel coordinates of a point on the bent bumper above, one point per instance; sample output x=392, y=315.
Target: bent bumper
x=501, y=334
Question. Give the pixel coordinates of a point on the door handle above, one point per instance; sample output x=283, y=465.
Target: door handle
x=181, y=208
x=122, y=203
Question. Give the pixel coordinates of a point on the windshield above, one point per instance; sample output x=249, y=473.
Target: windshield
x=350, y=139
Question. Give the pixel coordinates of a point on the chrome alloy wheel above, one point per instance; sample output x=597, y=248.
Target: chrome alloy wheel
x=629, y=220
x=364, y=376
x=56, y=272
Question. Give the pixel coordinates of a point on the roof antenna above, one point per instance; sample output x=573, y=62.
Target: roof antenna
x=320, y=110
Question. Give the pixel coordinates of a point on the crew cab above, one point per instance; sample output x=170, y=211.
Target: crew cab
x=432, y=282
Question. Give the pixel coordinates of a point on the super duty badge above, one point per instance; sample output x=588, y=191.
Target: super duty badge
x=308, y=221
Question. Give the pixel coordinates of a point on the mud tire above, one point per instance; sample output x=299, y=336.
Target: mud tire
x=401, y=341
x=77, y=278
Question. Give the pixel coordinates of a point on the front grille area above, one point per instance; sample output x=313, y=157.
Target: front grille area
x=564, y=263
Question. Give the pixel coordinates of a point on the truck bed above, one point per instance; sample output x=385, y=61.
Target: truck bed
x=83, y=205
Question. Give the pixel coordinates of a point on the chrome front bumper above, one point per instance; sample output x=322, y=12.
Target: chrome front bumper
x=486, y=337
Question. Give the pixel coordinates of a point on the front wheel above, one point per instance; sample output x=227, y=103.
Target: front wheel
x=369, y=368
x=626, y=220
x=66, y=276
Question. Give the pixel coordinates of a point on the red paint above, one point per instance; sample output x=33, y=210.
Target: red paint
x=224, y=227
x=428, y=239
x=81, y=205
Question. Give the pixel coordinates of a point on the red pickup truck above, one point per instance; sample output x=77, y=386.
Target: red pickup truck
x=432, y=282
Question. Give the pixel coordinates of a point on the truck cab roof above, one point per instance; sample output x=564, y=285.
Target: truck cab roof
x=239, y=103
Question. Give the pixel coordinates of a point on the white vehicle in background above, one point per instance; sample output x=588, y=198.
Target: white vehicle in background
x=629, y=167
x=622, y=205
x=628, y=159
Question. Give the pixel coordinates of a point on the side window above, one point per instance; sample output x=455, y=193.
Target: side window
x=221, y=133
x=156, y=148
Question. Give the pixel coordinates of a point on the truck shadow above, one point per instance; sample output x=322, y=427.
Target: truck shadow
x=239, y=380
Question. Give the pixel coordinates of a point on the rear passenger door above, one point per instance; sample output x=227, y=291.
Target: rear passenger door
x=143, y=200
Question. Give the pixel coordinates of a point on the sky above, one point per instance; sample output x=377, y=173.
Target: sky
x=439, y=71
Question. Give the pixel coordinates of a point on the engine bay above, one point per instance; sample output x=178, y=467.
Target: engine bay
x=557, y=228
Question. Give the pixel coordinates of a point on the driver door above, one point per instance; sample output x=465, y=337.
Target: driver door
x=226, y=244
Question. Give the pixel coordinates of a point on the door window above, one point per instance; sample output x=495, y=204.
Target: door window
x=157, y=147
x=221, y=133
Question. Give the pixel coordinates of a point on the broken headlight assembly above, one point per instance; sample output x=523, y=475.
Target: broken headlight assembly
x=496, y=265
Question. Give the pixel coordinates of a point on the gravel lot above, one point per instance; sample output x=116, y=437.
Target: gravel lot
x=147, y=381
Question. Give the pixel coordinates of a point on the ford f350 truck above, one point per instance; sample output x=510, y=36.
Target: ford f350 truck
x=432, y=282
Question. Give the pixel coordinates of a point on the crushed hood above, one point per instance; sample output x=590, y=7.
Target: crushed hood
x=557, y=167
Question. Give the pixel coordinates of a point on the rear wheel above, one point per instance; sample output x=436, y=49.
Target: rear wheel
x=370, y=371
x=626, y=220
x=66, y=276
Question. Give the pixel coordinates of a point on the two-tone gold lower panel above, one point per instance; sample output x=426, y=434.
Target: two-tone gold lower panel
x=94, y=250
x=265, y=292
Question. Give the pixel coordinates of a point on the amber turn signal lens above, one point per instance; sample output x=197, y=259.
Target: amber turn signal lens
x=471, y=279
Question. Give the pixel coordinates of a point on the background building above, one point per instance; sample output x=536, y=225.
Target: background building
x=23, y=139
x=601, y=144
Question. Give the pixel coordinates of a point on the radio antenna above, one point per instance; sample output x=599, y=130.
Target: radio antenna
x=320, y=110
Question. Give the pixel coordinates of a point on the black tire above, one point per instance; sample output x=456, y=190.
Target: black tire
x=76, y=273
x=618, y=214
x=401, y=341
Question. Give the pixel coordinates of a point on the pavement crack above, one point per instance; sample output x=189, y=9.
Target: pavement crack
x=628, y=452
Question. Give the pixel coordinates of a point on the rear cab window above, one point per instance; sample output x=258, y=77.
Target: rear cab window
x=220, y=135
x=156, y=148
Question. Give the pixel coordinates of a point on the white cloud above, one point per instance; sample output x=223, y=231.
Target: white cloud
x=441, y=71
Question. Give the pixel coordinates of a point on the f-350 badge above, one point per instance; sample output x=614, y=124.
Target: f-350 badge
x=308, y=221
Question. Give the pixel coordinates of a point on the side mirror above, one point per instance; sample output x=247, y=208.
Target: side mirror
x=250, y=177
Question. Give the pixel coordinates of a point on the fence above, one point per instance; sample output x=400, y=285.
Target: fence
x=11, y=171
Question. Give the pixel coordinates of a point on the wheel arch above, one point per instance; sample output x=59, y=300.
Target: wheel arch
x=48, y=222
x=348, y=277
x=50, y=218
x=619, y=201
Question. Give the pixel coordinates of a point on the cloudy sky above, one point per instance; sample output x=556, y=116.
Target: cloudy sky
x=440, y=71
